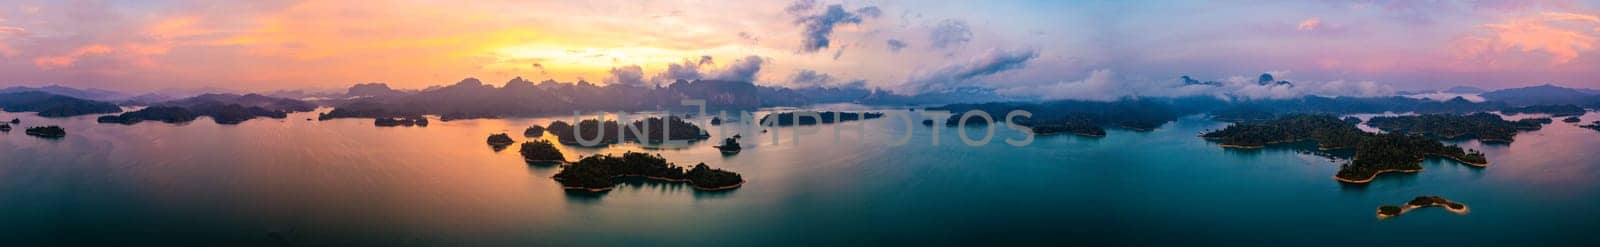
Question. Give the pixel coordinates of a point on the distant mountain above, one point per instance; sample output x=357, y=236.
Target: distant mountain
x=471, y=98
x=1266, y=79
x=52, y=105
x=372, y=90
x=89, y=94
x=1462, y=90
x=951, y=96
x=304, y=94
x=1543, y=95
x=1191, y=81
x=247, y=100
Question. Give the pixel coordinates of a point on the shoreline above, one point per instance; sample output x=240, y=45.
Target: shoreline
x=1374, y=176
x=659, y=179
x=1242, y=146
x=1409, y=207
x=563, y=162
x=1069, y=133
x=1458, y=160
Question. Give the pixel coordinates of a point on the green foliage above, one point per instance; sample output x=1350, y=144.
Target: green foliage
x=541, y=150
x=1482, y=126
x=47, y=131
x=500, y=139
x=1374, y=153
x=533, y=131
x=597, y=172
x=675, y=128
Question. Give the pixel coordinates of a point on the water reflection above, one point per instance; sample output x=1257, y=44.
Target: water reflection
x=344, y=182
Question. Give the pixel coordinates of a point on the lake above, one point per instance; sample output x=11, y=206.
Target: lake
x=293, y=182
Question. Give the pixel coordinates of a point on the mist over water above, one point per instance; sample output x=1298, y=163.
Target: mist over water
x=345, y=182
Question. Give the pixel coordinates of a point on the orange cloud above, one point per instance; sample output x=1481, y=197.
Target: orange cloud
x=67, y=60
x=1309, y=24
x=1563, y=36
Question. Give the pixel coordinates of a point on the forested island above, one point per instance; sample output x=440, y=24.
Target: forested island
x=533, y=131
x=222, y=108
x=1075, y=126
x=54, y=106
x=1390, y=211
x=828, y=117
x=596, y=173
x=413, y=120
x=1593, y=126
x=730, y=145
x=541, y=151
x=47, y=132
x=1374, y=153
x=652, y=129
x=5, y=127
x=1485, y=127
x=500, y=140
x=1552, y=110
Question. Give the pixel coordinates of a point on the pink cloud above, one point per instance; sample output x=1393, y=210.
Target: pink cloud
x=66, y=60
x=1564, y=37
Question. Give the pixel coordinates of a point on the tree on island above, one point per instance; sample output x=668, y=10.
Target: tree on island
x=651, y=131
x=541, y=151
x=596, y=173
x=1374, y=153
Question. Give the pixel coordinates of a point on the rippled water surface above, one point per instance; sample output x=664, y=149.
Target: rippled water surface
x=345, y=182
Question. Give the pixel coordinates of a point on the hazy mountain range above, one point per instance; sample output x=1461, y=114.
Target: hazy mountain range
x=471, y=98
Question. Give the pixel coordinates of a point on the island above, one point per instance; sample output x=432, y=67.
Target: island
x=47, y=132
x=1485, y=127
x=649, y=130
x=413, y=120
x=5, y=127
x=222, y=108
x=52, y=105
x=597, y=173
x=165, y=114
x=730, y=145
x=1374, y=153
x=1390, y=211
x=1552, y=110
x=16, y=121
x=715, y=121
x=541, y=151
x=1573, y=119
x=501, y=140
x=533, y=131
x=827, y=117
x=1593, y=126
x=1081, y=128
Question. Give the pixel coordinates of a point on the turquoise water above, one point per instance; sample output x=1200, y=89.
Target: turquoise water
x=270, y=182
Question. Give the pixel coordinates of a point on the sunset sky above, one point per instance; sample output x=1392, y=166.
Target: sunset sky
x=1047, y=48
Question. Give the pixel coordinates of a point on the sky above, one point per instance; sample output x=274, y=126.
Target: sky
x=1049, y=49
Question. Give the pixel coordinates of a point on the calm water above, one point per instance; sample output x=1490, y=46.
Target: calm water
x=293, y=182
